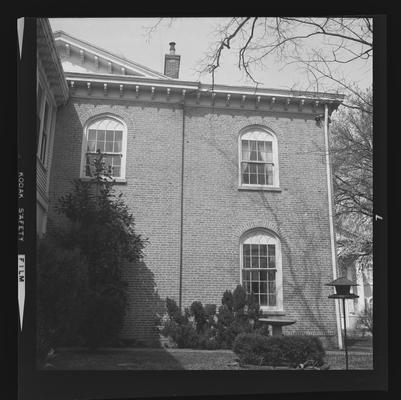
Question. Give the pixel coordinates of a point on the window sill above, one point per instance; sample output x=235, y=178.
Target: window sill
x=260, y=188
x=267, y=313
x=117, y=181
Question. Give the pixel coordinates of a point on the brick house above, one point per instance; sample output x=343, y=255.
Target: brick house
x=230, y=184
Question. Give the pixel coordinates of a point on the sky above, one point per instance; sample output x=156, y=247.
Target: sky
x=130, y=37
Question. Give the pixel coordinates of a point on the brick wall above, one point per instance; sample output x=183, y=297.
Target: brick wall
x=216, y=213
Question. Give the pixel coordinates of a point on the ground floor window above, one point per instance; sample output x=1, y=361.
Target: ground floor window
x=261, y=268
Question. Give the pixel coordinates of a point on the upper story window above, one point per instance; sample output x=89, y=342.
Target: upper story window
x=261, y=272
x=45, y=120
x=107, y=134
x=258, y=159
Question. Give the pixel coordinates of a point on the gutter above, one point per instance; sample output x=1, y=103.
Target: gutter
x=331, y=220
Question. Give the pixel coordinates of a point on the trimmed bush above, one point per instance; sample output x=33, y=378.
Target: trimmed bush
x=254, y=348
x=199, y=314
x=239, y=313
x=201, y=327
x=178, y=327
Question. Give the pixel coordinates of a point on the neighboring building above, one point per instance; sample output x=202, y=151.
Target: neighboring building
x=357, y=268
x=228, y=183
x=52, y=91
x=353, y=308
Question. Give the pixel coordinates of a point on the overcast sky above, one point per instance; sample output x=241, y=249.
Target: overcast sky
x=193, y=36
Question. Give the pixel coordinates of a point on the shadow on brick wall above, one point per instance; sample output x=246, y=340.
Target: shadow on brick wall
x=145, y=308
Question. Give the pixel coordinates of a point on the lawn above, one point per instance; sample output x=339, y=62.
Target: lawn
x=176, y=359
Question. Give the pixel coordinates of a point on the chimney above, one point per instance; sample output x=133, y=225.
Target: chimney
x=172, y=62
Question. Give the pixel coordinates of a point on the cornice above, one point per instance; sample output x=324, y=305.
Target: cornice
x=193, y=85
x=199, y=95
x=50, y=61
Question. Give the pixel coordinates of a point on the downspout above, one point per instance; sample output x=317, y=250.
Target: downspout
x=182, y=205
x=331, y=220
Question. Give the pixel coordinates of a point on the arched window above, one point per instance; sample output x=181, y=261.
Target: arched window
x=109, y=135
x=261, y=272
x=258, y=158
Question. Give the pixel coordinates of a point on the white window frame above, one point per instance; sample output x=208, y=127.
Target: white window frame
x=270, y=238
x=89, y=123
x=262, y=134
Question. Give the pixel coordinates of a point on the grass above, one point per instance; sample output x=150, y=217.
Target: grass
x=355, y=361
x=177, y=359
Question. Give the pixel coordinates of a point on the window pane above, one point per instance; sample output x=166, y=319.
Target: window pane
x=100, y=146
x=269, y=174
x=263, y=275
x=255, y=287
x=255, y=255
x=253, y=155
x=271, y=276
x=272, y=287
x=248, y=286
x=272, y=300
x=269, y=152
x=245, y=172
x=261, y=150
x=253, y=174
x=261, y=178
x=116, y=160
x=263, y=287
x=272, y=262
x=247, y=262
x=255, y=262
x=91, y=145
x=118, y=136
x=245, y=275
x=109, y=147
x=263, y=262
x=92, y=134
x=110, y=136
x=116, y=171
x=247, y=249
x=245, y=150
x=101, y=135
x=263, y=300
x=272, y=255
x=255, y=275
x=117, y=147
x=263, y=249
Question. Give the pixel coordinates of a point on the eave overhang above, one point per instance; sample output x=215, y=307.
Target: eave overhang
x=198, y=94
x=50, y=61
x=60, y=36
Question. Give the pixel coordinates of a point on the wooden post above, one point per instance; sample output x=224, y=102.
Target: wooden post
x=345, y=336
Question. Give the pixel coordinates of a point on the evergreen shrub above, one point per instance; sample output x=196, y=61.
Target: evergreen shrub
x=254, y=348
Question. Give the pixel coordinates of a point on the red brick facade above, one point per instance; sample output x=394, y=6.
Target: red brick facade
x=215, y=211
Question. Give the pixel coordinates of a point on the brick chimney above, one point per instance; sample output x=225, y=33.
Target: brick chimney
x=172, y=62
